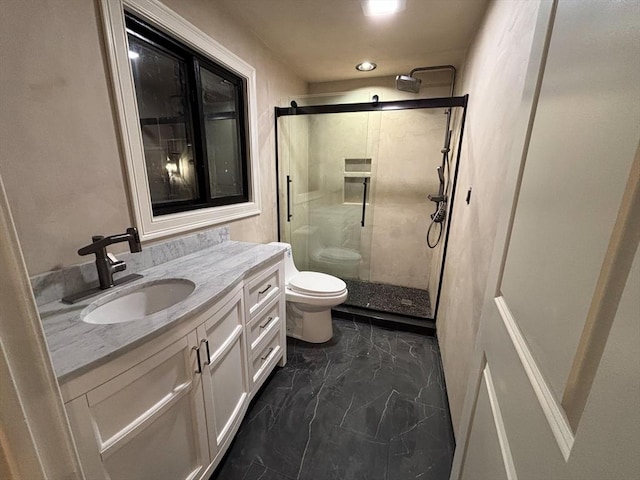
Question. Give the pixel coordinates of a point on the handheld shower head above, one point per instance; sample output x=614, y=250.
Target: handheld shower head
x=407, y=83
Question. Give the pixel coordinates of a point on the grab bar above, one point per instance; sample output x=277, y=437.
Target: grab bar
x=365, y=183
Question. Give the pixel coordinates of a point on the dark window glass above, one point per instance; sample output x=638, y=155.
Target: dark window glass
x=192, y=117
x=224, y=146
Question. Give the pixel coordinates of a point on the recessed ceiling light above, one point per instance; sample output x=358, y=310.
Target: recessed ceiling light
x=366, y=66
x=375, y=8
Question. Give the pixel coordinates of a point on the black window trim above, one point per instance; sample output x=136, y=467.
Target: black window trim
x=194, y=61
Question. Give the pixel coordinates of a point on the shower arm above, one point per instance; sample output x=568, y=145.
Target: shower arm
x=438, y=67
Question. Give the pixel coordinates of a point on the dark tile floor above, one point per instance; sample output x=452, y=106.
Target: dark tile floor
x=389, y=298
x=370, y=404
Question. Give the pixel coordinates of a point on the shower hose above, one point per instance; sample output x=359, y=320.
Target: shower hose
x=436, y=219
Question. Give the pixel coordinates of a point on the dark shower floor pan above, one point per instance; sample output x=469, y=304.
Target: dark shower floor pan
x=389, y=298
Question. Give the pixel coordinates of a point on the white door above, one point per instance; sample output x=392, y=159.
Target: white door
x=555, y=389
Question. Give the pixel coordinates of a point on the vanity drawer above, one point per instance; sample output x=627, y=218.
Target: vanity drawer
x=265, y=357
x=261, y=289
x=264, y=323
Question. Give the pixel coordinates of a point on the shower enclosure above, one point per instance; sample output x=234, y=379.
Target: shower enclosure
x=353, y=186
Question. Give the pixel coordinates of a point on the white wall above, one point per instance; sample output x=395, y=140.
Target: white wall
x=493, y=76
x=61, y=159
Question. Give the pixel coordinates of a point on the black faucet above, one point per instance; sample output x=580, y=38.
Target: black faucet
x=106, y=263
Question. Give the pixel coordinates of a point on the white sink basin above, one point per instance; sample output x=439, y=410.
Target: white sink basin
x=138, y=302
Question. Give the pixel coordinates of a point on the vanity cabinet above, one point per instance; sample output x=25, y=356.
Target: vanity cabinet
x=170, y=408
x=147, y=422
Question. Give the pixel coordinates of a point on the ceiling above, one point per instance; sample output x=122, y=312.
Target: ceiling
x=323, y=40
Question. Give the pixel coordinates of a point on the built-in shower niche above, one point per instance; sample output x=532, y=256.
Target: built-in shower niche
x=357, y=165
x=357, y=173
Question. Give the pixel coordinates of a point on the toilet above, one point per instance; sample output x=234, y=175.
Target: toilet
x=310, y=297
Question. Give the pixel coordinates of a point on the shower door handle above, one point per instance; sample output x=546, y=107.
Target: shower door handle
x=365, y=184
x=289, y=215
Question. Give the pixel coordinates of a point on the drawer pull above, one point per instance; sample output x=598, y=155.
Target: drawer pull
x=197, y=349
x=206, y=342
x=267, y=355
x=266, y=323
x=266, y=289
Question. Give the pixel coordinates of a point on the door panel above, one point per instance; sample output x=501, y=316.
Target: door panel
x=164, y=450
x=224, y=372
x=326, y=159
x=487, y=437
x=612, y=416
x=146, y=422
x=533, y=425
x=228, y=385
x=606, y=442
x=582, y=145
x=563, y=297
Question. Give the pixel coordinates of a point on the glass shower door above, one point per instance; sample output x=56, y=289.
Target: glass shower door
x=327, y=191
x=366, y=193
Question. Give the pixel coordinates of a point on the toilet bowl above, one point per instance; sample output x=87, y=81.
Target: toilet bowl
x=310, y=297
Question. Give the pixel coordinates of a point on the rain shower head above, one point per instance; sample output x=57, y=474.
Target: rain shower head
x=407, y=83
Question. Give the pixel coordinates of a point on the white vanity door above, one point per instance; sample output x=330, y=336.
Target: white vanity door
x=224, y=373
x=146, y=423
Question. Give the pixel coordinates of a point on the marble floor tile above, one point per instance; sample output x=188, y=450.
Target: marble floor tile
x=369, y=404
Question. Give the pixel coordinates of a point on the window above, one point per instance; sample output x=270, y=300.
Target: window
x=187, y=116
x=192, y=122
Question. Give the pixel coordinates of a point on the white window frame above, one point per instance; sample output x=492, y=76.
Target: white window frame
x=158, y=15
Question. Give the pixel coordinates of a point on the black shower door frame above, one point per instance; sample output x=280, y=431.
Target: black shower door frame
x=376, y=106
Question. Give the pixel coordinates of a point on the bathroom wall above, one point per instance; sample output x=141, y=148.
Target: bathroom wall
x=405, y=151
x=61, y=162
x=409, y=155
x=493, y=76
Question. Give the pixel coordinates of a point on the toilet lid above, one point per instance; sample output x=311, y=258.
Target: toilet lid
x=340, y=254
x=317, y=284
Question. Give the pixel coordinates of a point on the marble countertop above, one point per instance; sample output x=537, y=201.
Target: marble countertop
x=76, y=346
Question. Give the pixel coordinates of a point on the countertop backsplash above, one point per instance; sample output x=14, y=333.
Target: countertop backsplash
x=56, y=284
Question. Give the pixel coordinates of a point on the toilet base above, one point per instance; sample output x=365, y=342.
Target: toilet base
x=308, y=323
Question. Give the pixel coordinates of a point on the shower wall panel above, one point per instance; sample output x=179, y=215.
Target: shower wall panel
x=408, y=156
